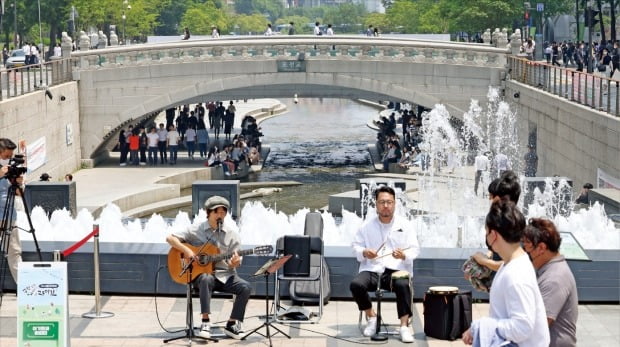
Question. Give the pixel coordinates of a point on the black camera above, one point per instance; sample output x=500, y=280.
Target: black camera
x=16, y=167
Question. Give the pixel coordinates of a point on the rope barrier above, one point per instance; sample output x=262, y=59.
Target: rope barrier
x=67, y=252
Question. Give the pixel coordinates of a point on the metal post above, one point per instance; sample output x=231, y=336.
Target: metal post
x=617, y=98
x=56, y=255
x=42, y=53
x=97, y=313
x=15, y=23
x=572, y=93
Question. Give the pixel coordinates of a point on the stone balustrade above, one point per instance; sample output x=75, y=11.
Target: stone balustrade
x=297, y=47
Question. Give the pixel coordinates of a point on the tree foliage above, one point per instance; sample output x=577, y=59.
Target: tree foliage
x=200, y=18
x=169, y=17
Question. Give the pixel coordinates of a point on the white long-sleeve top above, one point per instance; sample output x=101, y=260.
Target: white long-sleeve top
x=517, y=305
x=400, y=233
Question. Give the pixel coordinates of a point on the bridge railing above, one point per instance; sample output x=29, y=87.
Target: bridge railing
x=26, y=79
x=589, y=89
x=293, y=47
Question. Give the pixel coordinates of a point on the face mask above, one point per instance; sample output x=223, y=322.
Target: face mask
x=489, y=245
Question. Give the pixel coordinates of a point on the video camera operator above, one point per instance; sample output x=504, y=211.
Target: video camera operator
x=14, y=248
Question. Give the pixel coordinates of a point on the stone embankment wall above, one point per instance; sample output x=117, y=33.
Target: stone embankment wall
x=572, y=140
x=32, y=117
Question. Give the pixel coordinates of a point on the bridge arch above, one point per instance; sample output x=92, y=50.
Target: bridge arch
x=128, y=83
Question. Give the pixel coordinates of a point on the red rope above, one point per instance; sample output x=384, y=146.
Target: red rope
x=67, y=252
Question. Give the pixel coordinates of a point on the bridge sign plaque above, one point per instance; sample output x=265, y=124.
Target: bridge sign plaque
x=291, y=65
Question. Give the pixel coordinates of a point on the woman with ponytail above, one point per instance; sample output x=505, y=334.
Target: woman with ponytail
x=516, y=311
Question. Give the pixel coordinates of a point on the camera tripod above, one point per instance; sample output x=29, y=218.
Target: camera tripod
x=7, y=226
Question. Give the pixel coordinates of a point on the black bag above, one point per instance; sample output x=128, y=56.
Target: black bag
x=447, y=316
x=602, y=67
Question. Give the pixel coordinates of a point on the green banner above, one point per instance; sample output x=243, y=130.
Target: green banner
x=40, y=331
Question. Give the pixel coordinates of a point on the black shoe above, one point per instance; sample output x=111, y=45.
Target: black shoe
x=233, y=330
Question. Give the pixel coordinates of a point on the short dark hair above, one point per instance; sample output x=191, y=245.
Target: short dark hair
x=543, y=230
x=7, y=144
x=506, y=186
x=384, y=189
x=505, y=218
x=588, y=186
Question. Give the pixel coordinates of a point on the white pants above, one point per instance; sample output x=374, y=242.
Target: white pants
x=14, y=252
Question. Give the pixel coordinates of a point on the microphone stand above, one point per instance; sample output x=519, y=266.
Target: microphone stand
x=377, y=336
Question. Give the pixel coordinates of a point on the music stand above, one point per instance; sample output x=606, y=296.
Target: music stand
x=267, y=269
x=189, y=311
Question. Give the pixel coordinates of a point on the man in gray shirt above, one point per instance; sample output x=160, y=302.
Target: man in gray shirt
x=555, y=280
x=224, y=278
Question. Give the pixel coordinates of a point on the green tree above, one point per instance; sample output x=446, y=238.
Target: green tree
x=246, y=24
x=272, y=8
x=404, y=15
x=199, y=18
x=54, y=14
x=169, y=18
x=140, y=16
x=344, y=14
x=300, y=23
x=480, y=15
x=379, y=20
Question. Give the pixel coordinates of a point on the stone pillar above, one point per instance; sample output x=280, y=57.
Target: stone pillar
x=515, y=42
x=229, y=189
x=103, y=40
x=66, y=45
x=486, y=36
x=94, y=40
x=51, y=196
x=494, y=37
x=502, y=39
x=113, y=38
x=83, y=41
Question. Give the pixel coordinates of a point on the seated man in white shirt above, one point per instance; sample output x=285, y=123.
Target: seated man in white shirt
x=385, y=244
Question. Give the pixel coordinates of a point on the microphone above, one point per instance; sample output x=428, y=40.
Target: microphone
x=219, y=224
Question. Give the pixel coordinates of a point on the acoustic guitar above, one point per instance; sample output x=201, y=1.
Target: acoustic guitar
x=207, y=259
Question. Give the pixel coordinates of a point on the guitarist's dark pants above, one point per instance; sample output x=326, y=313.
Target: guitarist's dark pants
x=207, y=284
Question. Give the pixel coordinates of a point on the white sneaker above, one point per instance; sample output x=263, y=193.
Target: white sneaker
x=205, y=330
x=371, y=326
x=405, y=335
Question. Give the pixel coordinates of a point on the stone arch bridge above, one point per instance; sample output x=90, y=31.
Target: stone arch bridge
x=122, y=84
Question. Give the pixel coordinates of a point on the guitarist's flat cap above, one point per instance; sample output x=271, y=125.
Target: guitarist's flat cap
x=216, y=201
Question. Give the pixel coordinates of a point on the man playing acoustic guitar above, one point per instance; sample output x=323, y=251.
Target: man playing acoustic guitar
x=224, y=278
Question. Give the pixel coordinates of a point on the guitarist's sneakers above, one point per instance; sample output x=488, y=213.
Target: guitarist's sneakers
x=205, y=330
x=233, y=329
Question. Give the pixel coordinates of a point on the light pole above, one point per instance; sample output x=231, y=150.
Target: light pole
x=15, y=22
x=126, y=6
x=40, y=33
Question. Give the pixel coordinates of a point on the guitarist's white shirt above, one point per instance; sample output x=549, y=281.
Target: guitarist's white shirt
x=227, y=240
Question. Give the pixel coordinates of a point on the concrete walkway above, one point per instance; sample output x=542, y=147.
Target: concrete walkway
x=135, y=323
x=129, y=186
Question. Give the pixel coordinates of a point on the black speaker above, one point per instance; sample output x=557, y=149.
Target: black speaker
x=299, y=247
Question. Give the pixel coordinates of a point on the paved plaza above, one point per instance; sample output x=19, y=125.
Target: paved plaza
x=135, y=320
x=135, y=323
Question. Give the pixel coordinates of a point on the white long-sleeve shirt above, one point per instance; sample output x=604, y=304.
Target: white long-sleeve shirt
x=517, y=305
x=400, y=233
x=481, y=162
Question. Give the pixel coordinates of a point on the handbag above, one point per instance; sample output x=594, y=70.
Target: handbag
x=602, y=68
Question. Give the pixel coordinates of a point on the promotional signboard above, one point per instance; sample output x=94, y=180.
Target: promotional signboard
x=42, y=307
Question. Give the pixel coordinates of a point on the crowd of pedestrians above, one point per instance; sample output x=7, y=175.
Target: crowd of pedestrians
x=188, y=129
x=401, y=149
x=605, y=55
